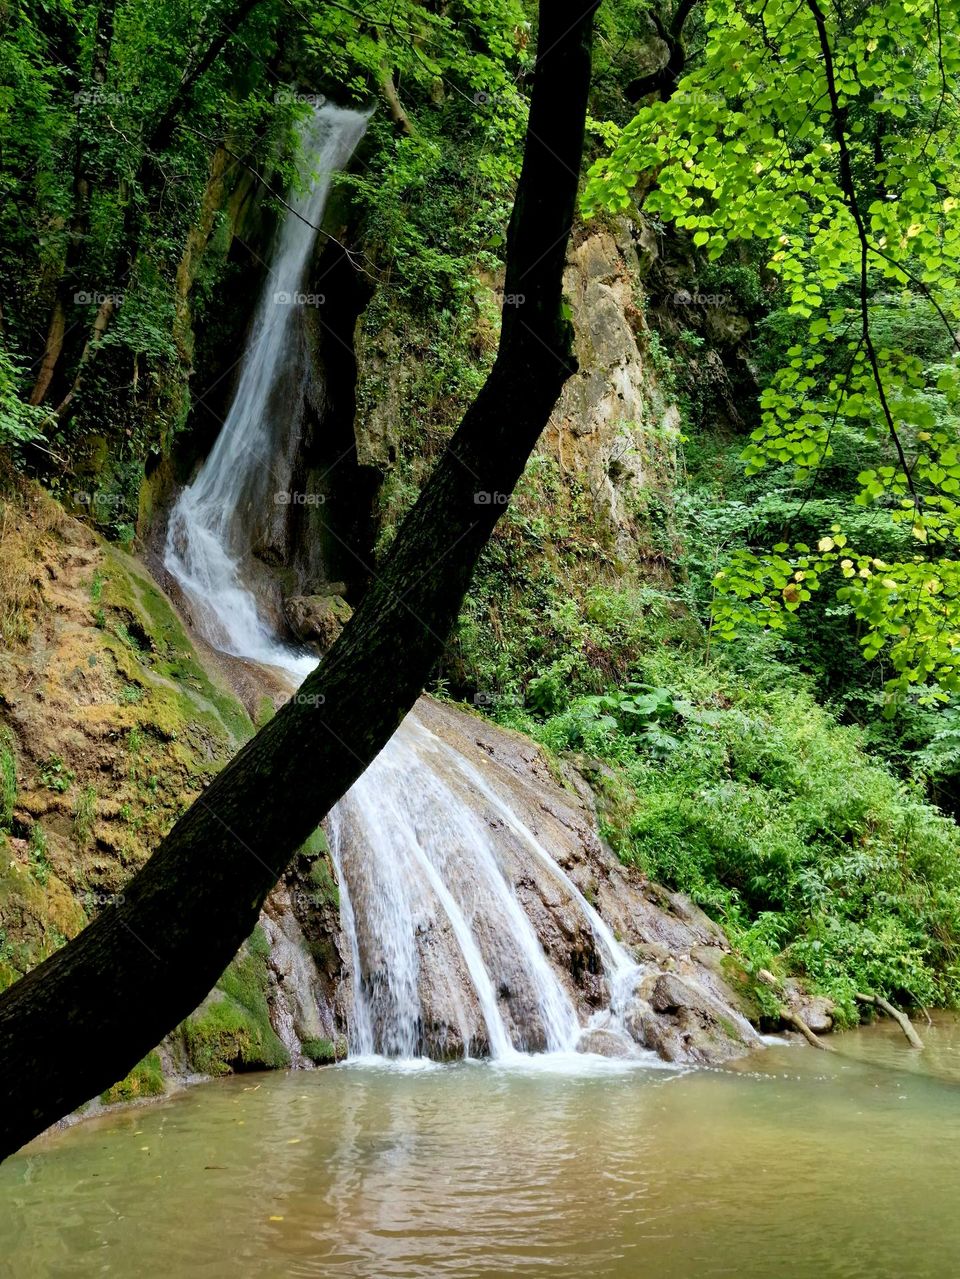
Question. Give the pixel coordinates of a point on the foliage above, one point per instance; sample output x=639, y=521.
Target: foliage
x=20, y=423
x=815, y=859
x=99, y=208
x=831, y=139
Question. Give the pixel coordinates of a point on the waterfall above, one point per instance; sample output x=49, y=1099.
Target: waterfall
x=417, y=843
x=208, y=536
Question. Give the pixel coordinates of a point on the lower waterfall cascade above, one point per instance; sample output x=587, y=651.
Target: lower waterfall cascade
x=428, y=852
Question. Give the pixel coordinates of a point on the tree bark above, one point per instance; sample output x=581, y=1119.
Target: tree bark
x=796, y=1021
x=84, y=1017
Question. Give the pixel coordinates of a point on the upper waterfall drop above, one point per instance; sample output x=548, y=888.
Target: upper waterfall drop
x=208, y=535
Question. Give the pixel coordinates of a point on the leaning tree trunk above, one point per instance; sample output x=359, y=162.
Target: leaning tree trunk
x=84, y=1017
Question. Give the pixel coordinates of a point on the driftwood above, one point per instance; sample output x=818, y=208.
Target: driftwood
x=796, y=1021
x=793, y=1018
x=902, y=1020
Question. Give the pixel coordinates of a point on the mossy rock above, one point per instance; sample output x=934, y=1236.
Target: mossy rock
x=145, y=1080
x=225, y=1037
x=323, y=1052
x=232, y=1030
x=322, y=880
x=154, y=632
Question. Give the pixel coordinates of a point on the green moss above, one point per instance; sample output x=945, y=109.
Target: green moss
x=323, y=1051
x=142, y=615
x=257, y=943
x=145, y=1080
x=8, y=779
x=233, y=1030
x=321, y=879
x=315, y=845
x=225, y=1036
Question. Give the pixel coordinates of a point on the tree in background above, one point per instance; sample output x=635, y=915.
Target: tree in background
x=828, y=138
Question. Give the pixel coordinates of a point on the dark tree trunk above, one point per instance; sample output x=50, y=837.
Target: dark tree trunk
x=84, y=1017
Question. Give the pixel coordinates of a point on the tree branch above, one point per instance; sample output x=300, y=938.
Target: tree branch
x=664, y=79
x=847, y=185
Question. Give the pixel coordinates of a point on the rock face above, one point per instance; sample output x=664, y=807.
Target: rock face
x=612, y=427
x=614, y=430
x=300, y=1010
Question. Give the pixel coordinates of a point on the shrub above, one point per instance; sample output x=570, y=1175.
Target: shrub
x=814, y=857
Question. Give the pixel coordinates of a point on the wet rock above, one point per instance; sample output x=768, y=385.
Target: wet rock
x=317, y=620
x=682, y=1023
x=684, y=1009
x=606, y=1043
x=299, y=1011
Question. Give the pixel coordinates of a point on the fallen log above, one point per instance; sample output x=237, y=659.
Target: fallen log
x=796, y=1021
x=902, y=1020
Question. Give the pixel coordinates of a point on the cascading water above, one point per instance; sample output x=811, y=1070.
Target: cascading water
x=208, y=536
x=409, y=843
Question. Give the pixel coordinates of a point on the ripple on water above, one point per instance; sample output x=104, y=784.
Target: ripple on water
x=581, y=1167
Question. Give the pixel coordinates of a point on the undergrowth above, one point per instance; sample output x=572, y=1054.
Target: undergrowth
x=739, y=789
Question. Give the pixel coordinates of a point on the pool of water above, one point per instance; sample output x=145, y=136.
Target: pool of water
x=798, y=1163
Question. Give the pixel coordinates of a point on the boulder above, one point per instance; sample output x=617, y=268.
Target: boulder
x=317, y=620
x=682, y=1023
x=816, y=1010
x=606, y=1043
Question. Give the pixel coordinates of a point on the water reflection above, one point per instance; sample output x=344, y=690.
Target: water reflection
x=798, y=1164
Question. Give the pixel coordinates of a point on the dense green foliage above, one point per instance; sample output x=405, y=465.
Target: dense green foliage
x=831, y=142
x=751, y=798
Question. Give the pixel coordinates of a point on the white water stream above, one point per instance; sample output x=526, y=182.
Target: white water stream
x=405, y=841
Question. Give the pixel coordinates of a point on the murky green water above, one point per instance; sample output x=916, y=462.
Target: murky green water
x=799, y=1164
